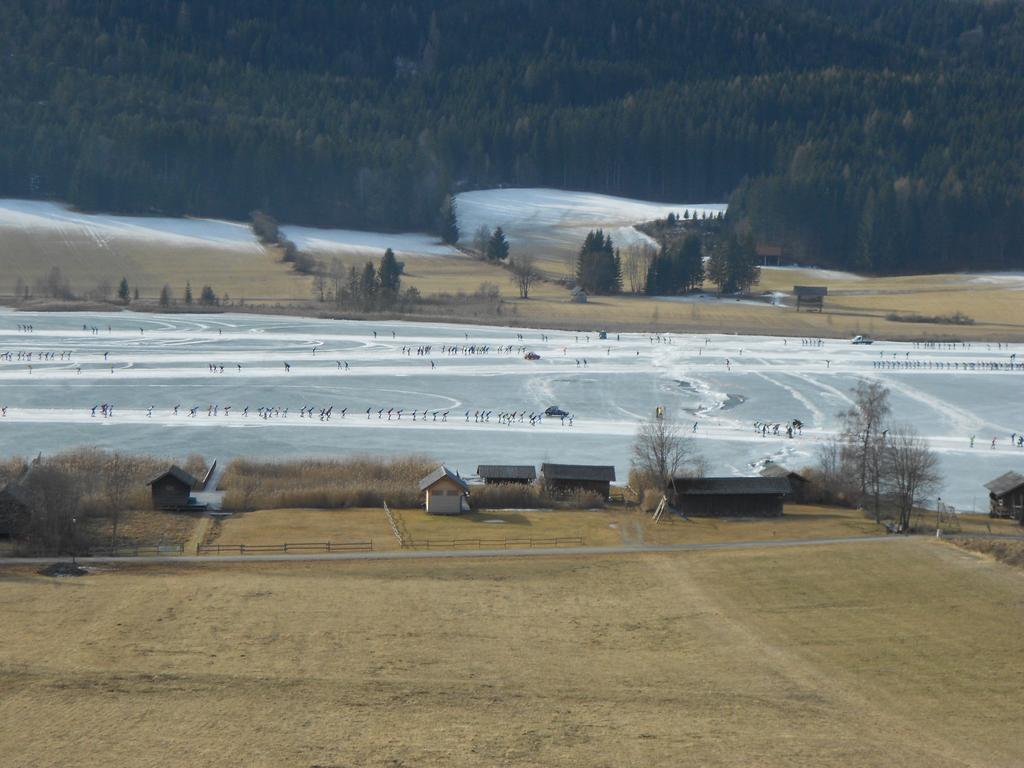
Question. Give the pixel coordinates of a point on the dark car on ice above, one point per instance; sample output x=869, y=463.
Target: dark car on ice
x=554, y=410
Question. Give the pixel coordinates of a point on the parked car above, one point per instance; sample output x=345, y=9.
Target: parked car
x=862, y=340
x=554, y=410
x=531, y=356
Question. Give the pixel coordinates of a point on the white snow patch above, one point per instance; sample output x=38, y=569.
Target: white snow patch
x=104, y=228
x=823, y=274
x=557, y=217
x=362, y=243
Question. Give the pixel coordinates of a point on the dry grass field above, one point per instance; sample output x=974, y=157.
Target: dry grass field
x=613, y=526
x=901, y=652
x=855, y=304
x=254, y=274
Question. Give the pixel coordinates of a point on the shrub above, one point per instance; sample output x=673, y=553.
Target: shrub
x=509, y=496
x=324, y=483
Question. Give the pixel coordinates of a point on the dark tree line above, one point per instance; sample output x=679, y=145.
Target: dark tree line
x=880, y=135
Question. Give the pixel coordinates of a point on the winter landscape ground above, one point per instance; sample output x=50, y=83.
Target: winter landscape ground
x=897, y=652
x=721, y=384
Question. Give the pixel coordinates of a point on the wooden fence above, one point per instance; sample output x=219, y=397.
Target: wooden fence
x=135, y=551
x=531, y=543
x=300, y=547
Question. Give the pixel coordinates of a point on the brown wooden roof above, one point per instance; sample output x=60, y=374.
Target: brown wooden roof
x=731, y=486
x=178, y=474
x=507, y=471
x=1005, y=483
x=588, y=472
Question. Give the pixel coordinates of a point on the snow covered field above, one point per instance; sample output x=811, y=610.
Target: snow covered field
x=723, y=383
x=365, y=244
x=105, y=230
x=558, y=219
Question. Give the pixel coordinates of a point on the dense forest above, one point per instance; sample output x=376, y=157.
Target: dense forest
x=882, y=135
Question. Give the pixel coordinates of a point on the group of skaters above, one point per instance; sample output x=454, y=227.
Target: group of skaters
x=1016, y=441
x=764, y=428
x=39, y=357
x=947, y=365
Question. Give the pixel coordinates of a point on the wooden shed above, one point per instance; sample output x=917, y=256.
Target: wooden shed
x=729, y=496
x=798, y=483
x=811, y=296
x=565, y=479
x=1006, y=496
x=172, y=488
x=15, y=510
x=498, y=474
x=446, y=492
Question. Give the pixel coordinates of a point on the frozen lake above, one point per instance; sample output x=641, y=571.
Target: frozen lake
x=722, y=382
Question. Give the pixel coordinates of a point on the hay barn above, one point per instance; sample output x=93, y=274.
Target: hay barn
x=446, y=492
x=498, y=474
x=566, y=479
x=798, y=483
x=1006, y=496
x=172, y=488
x=729, y=496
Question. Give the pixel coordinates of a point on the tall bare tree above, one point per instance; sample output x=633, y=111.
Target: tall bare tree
x=636, y=261
x=524, y=274
x=864, y=439
x=911, y=472
x=119, y=479
x=661, y=451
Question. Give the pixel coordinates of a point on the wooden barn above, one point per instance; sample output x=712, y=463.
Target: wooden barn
x=498, y=474
x=172, y=488
x=15, y=510
x=729, y=496
x=566, y=479
x=1006, y=496
x=798, y=483
x=446, y=492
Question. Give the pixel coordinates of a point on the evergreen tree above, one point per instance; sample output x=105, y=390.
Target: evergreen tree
x=448, y=225
x=497, y=246
x=188, y=293
x=123, y=291
x=598, y=267
x=165, y=296
x=368, y=286
x=389, y=277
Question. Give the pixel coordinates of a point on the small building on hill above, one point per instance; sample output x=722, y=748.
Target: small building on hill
x=769, y=255
x=1006, y=496
x=810, y=296
x=446, y=492
x=729, y=496
x=172, y=488
x=15, y=510
x=578, y=296
x=566, y=479
x=798, y=483
x=497, y=474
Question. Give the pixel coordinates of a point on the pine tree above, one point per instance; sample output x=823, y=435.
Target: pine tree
x=165, y=296
x=448, y=225
x=123, y=291
x=389, y=275
x=368, y=286
x=497, y=246
x=188, y=293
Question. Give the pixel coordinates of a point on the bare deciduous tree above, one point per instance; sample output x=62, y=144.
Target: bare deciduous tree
x=524, y=274
x=864, y=438
x=119, y=480
x=636, y=262
x=661, y=451
x=911, y=472
x=481, y=238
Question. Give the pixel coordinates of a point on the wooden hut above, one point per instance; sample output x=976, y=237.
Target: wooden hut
x=1006, y=496
x=810, y=296
x=15, y=510
x=729, y=496
x=498, y=474
x=172, y=488
x=798, y=483
x=566, y=479
x=446, y=492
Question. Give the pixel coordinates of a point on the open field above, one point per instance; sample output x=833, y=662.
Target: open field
x=853, y=655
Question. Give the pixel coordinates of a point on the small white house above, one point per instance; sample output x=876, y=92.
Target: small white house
x=446, y=492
